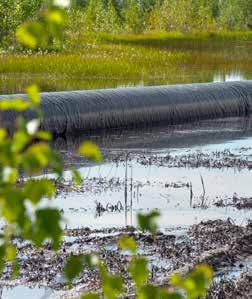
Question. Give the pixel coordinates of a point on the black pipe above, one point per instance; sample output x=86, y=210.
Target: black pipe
x=68, y=112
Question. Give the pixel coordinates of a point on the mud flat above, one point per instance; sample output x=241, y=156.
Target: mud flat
x=198, y=176
x=222, y=244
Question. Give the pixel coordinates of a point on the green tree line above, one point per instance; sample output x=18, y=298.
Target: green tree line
x=134, y=16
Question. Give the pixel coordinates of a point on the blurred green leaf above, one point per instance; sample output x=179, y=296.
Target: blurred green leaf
x=8, y=158
x=112, y=285
x=76, y=263
x=32, y=35
x=55, y=16
x=10, y=175
x=44, y=136
x=76, y=176
x=73, y=267
x=2, y=256
x=33, y=94
x=195, y=283
x=147, y=222
x=129, y=243
x=14, y=104
x=153, y=292
x=91, y=151
x=36, y=157
x=15, y=269
x=12, y=204
x=19, y=141
x=47, y=226
x=3, y=134
x=56, y=163
x=139, y=271
x=35, y=190
x=11, y=253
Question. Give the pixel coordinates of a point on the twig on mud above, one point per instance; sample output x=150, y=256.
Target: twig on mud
x=204, y=191
x=191, y=194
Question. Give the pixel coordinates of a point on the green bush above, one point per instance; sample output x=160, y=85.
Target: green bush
x=13, y=13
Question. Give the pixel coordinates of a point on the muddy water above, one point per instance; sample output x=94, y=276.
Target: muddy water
x=137, y=177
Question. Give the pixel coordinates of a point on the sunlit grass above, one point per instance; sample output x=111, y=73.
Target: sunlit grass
x=171, y=39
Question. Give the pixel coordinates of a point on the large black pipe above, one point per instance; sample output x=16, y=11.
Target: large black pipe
x=68, y=112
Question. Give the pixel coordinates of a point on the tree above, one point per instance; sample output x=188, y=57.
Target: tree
x=134, y=16
x=112, y=19
x=95, y=15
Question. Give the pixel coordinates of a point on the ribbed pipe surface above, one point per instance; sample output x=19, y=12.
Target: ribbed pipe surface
x=68, y=112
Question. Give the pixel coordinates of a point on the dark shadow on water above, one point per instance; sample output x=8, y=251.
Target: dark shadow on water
x=163, y=137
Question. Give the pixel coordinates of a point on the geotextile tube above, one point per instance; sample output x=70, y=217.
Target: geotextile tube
x=73, y=111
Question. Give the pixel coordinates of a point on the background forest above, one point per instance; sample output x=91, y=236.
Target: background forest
x=134, y=16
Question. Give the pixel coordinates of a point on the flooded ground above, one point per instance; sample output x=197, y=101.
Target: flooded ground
x=189, y=173
x=197, y=175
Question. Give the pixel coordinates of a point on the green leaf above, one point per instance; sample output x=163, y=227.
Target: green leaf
x=147, y=222
x=15, y=269
x=44, y=136
x=3, y=134
x=12, y=204
x=76, y=263
x=8, y=158
x=73, y=267
x=33, y=93
x=76, y=176
x=11, y=253
x=2, y=257
x=90, y=150
x=32, y=35
x=55, y=16
x=14, y=104
x=10, y=175
x=195, y=283
x=56, y=163
x=153, y=292
x=128, y=243
x=112, y=285
x=37, y=157
x=139, y=271
x=47, y=226
x=35, y=190
x=19, y=141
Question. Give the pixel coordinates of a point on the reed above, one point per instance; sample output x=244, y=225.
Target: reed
x=104, y=60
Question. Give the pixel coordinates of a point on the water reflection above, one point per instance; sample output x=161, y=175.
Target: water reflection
x=232, y=76
x=218, y=131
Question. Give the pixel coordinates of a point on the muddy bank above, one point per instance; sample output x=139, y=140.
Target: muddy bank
x=221, y=244
x=239, y=288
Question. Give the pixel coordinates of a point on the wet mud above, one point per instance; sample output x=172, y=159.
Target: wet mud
x=221, y=244
x=197, y=177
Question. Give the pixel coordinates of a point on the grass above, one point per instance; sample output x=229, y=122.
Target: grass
x=103, y=60
x=176, y=39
